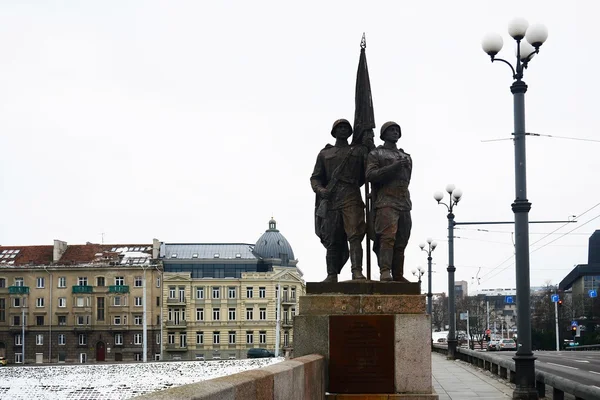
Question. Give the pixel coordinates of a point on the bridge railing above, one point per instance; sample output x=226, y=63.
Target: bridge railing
x=504, y=368
x=585, y=347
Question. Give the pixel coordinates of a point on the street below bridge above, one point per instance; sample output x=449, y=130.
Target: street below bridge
x=579, y=366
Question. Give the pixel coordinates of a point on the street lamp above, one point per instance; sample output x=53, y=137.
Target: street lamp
x=455, y=195
x=431, y=245
x=419, y=272
x=535, y=36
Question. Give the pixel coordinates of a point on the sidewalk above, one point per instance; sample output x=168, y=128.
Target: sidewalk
x=457, y=380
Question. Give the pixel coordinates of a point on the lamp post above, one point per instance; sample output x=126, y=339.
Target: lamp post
x=431, y=245
x=535, y=36
x=455, y=195
x=419, y=272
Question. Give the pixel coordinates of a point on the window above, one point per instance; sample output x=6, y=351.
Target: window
x=117, y=300
x=16, y=302
x=200, y=293
x=80, y=302
x=199, y=314
x=249, y=314
x=171, y=338
x=181, y=294
x=183, y=340
x=117, y=320
x=231, y=337
x=39, y=302
x=100, y=281
x=157, y=301
x=216, y=314
x=62, y=281
x=171, y=292
x=232, y=314
x=39, y=339
x=18, y=341
x=118, y=339
x=40, y=283
x=249, y=337
x=119, y=281
x=82, y=339
x=62, y=302
x=262, y=314
x=293, y=311
x=138, y=302
x=18, y=358
x=286, y=338
x=2, y=283
x=138, y=282
x=2, y=310
x=199, y=337
x=249, y=292
x=158, y=338
x=39, y=320
x=158, y=320
x=262, y=292
x=80, y=319
x=82, y=281
x=100, y=309
x=231, y=293
x=16, y=320
x=158, y=281
x=262, y=337
x=18, y=281
x=216, y=292
x=137, y=338
x=293, y=293
x=216, y=337
x=137, y=320
x=62, y=339
x=62, y=320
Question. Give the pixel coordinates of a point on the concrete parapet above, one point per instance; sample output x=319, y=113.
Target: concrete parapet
x=302, y=378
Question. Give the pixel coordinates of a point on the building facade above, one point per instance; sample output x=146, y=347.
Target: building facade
x=79, y=303
x=221, y=299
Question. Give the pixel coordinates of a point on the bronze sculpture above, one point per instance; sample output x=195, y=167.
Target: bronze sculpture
x=339, y=210
x=389, y=170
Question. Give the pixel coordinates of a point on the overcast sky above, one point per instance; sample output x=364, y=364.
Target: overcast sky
x=197, y=121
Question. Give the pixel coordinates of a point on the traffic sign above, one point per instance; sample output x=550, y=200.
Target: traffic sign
x=555, y=298
x=509, y=300
x=464, y=316
x=574, y=323
x=593, y=293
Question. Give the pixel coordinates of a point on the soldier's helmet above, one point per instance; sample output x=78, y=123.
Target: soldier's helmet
x=338, y=122
x=387, y=125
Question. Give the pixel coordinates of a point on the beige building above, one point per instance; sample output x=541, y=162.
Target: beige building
x=221, y=299
x=78, y=303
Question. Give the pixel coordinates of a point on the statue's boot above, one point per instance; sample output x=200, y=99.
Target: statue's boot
x=356, y=259
x=398, y=266
x=385, y=262
x=332, y=260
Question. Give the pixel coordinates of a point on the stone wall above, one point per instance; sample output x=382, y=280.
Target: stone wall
x=301, y=378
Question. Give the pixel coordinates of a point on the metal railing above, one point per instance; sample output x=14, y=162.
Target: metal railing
x=18, y=290
x=118, y=289
x=83, y=289
x=505, y=368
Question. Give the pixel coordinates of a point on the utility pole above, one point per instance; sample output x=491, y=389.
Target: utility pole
x=278, y=320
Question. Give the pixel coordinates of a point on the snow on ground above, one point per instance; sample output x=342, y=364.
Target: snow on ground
x=113, y=381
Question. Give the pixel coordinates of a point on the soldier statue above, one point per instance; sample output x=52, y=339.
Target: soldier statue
x=339, y=211
x=388, y=170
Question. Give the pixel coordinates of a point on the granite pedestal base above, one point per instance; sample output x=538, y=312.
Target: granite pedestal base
x=376, y=346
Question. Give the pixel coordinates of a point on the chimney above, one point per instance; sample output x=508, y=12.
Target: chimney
x=59, y=249
x=155, y=249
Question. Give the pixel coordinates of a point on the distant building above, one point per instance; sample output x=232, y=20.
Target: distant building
x=501, y=306
x=461, y=289
x=221, y=299
x=78, y=303
x=585, y=277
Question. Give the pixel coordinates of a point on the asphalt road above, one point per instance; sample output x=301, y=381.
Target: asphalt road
x=578, y=366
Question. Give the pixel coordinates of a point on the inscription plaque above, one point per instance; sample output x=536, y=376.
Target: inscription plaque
x=361, y=354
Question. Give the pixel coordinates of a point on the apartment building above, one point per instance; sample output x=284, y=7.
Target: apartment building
x=222, y=299
x=79, y=303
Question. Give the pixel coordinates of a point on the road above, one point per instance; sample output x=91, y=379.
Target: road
x=578, y=366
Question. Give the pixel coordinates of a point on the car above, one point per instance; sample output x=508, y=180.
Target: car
x=3, y=361
x=493, y=345
x=259, y=353
x=507, y=344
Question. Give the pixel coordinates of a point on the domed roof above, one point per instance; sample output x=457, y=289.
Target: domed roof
x=272, y=244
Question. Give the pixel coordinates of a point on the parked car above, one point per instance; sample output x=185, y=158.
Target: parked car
x=259, y=353
x=493, y=345
x=507, y=344
x=3, y=361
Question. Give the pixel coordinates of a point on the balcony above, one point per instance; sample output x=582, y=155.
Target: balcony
x=288, y=299
x=17, y=328
x=82, y=328
x=175, y=347
x=118, y=289
x=175, y=301
x=287, y=323
x=83, y=289
x=176, y=324
x=18, y=290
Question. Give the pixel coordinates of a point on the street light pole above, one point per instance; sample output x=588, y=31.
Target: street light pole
x=455, y=195
x=431, y=245
x=536, y=35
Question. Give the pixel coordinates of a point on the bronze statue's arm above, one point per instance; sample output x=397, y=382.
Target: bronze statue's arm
x=318, y=176
x=375, y=173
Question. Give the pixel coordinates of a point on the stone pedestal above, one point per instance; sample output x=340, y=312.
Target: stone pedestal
x=375, y=337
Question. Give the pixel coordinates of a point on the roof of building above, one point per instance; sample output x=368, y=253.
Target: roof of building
x=578, y=272
x=91, y=252
x=272, y=244
x=192, y=251
x=26, y=255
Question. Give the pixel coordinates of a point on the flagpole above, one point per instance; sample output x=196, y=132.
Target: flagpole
x=368, y=245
